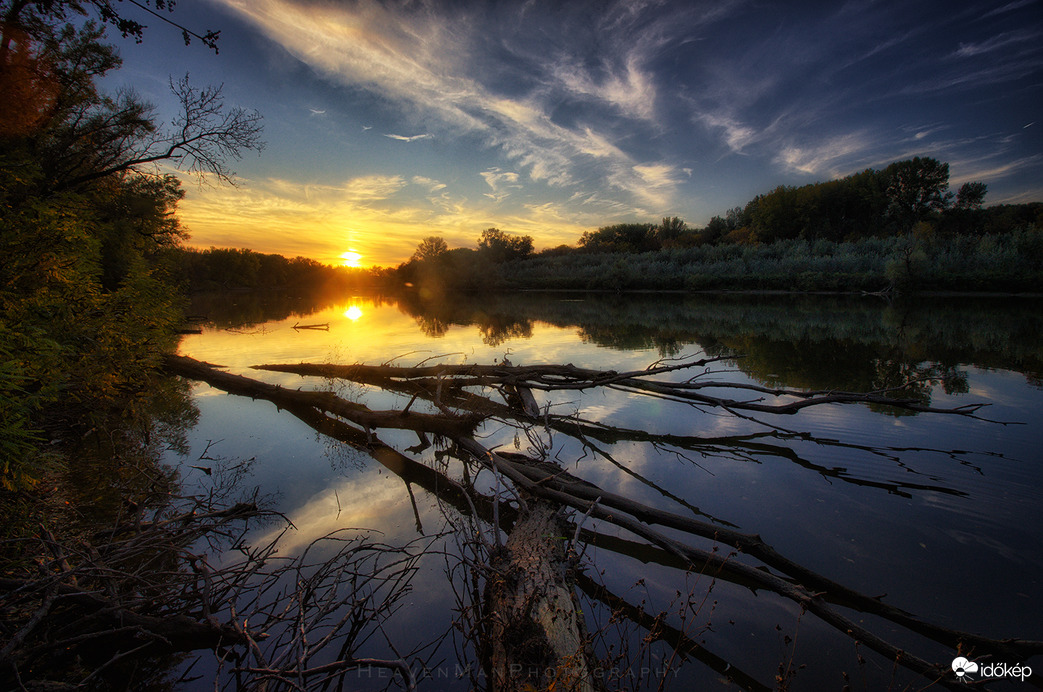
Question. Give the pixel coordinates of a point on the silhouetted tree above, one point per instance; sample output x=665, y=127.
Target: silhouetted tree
x=971, y=195
x=496, y=246
x=915, y=189
x=430, y=248
x=621, y=237
x=670, y=230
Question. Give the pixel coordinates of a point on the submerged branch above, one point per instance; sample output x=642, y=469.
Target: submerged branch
x=443, y=386
x=570, y=377
x=324, y=401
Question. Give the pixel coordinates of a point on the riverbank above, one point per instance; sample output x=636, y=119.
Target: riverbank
x=1010, y=263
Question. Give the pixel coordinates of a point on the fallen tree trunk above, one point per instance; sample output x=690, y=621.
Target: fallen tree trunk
x=324, y=401
x=537, y=634
x=570, y=377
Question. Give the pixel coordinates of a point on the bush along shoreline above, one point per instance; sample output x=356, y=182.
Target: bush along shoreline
x=1009, y=263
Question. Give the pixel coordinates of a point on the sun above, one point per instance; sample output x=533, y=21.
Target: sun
x=353, y=313
x=351, y=258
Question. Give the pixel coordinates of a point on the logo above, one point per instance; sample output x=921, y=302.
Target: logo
x=961, y=666
x=964, y=668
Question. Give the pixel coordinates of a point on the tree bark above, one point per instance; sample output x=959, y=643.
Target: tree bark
x=537, y=634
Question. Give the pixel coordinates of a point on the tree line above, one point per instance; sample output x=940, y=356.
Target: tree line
x=900, y=227
x=221, y=269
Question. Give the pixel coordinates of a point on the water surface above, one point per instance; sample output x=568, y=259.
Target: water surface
x=938, y=514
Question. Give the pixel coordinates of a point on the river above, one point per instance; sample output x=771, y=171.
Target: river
x=937, y=514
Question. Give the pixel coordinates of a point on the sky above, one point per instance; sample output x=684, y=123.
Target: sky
x=387, y=122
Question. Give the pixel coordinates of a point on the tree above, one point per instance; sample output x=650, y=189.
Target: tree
x=622, y=237
x=203, y=138
x=82, y=212
x=76, y=135
x=670, y=229
x=915, y=189
x=715, y=230
x=430, y=248
x=971, y=195
x=497, y=246
x=105, y=10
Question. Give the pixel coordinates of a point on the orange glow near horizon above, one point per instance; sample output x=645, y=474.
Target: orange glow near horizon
x=389, y=217
x=351, y=259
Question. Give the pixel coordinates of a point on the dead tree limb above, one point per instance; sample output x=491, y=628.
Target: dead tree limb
x=324, y=401
x=808, y=589
x=537, y=638
x=569, y=377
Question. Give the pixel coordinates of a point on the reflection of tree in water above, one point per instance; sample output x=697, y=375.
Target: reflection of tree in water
x=435, y=317
x=498, y=328
x=243, y=309
x=115, y=588
x=812, y=342
x=119, y=462
x=432, y=326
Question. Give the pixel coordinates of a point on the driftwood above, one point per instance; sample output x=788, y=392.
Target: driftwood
x=570, y=377
x=810, y=593
x=537, y=638
x=526, y=572
x=324, y=401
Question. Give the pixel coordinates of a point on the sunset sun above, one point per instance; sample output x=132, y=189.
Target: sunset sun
x=351, y=258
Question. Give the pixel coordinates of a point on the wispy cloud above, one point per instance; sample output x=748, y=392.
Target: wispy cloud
x=408, y=138
x=500, y=182
x=735, y=134
x=426, y=60
x=629, y=88
x=588, y=112
x=831, y=157
x=998, y=42
x=1009, y=7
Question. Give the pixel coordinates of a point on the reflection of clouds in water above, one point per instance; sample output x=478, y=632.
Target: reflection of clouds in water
x=364, y=503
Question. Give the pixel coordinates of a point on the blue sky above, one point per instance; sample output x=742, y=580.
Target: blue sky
x=387, y=122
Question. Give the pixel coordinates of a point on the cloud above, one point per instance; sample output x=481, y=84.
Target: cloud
x=629, y=88
x=997, y=43
x=405, y=138
x=373, y=187
x=500, y=182
x=736, y=135
x=1009, y=7
x=831, y=157
x=967, y=171
x=430, y=184
x=430, y=60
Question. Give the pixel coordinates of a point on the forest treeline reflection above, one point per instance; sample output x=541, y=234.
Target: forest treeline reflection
x=859, y=343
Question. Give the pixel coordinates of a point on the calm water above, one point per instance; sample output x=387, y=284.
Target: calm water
x=940, y=513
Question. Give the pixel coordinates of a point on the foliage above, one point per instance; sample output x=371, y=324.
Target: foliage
x=496, y=246
x=622, y=237
x=84, y=319
x=111, y=14
x=971, y=195
x=430, y=248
